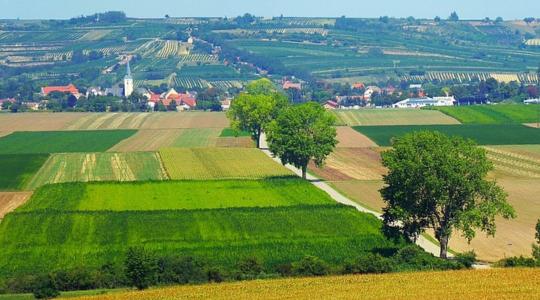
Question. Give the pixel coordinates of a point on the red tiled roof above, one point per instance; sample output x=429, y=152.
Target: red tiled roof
x=181, y=99
x=358, y=86
x=154, y=97
x=61, y=89
x=290, y=85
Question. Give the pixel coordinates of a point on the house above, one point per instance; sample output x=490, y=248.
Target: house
x=423, y=102
x=183, y=101
x=370, y=90
x=291, y=85
x=71, y=89
x=331, y=105
x=415, y=86
x=358, y=86
x=115, y=91
x=532, y=101
x=95, y=91
x=226, y=104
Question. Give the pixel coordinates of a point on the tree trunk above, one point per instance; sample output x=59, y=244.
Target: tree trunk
x=304, y=172
x=258, y=138
x=443, y=241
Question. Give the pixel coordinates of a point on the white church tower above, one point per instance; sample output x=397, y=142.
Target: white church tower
x=128, y=82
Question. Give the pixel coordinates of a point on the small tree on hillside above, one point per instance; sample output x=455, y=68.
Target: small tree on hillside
x=536, y=248
x=303, y=133
x=438, y=182
x=139, y=268
x=254, y=109
x=453, y=17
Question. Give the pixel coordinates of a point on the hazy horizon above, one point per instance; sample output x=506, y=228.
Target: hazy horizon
x=62, y=9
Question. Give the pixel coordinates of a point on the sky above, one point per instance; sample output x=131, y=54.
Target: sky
x=467, y=9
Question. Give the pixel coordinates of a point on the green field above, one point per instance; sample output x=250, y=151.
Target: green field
x=511, y=134
x=176, y=195
x=68, y=225
x=61, y=141
x=75, y=167
x=229, y=132
x=17, y=170
x=494, y=114
x=197, y=137
x=220, y=163
x=392, y=117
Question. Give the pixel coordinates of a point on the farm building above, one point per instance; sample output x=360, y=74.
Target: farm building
x=331, y=105
x=8, y=101
x=46, y=90
x=532, y=101
x=184, y=101
x=358, y=86
x=291, y=85
x=423, y=102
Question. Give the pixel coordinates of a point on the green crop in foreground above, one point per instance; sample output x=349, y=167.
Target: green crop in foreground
x=229, y=132
x=495, y=134
x=17, y=169
x=174, y=195
x=220, y=163
x=493, y=114
x=62, y=141
x=46, y=240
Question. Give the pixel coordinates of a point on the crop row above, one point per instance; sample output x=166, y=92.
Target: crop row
x=173, y=48
x=198, y=58
x=514, y=163
x=533, y=42
x=191, y=83
x=473, y=76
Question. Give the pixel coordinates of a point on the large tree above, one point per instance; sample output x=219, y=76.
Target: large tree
x=303, y=133
x=439, y=182
x=255, y=108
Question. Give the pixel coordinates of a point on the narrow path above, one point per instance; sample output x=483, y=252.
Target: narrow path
x=426, y=244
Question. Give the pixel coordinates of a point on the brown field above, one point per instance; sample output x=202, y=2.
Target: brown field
x=471, y=284
x=10, y=201
x=533, y=125
x=151, y=121
x=4, y=133
x=365, y=192
x=513, y=237
x=398, y=116
x=148, y=140
x=352, y=163
x=38, y=121
x=350, y=138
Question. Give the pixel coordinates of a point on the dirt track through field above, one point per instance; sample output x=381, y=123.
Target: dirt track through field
x=10, y=201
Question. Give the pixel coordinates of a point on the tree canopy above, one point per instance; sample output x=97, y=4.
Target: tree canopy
x=439, y=182
x=254, y=109
x=303, y=133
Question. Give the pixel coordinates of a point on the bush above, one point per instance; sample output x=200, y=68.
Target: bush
x=284, y=269
x=45, y=288
x=414, y=258
x=75, y=279
x=370, y=263
x=181, y=270
x=515, y=262
x=214, y=274
x=310, y=266
x=467, y=259
x=139, y=268
x=249, y=268
x=536, y=253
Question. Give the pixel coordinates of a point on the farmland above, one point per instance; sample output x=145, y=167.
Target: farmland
x=392, y=117
x=73, y=223
x=155, y=196
x=493, y=114
x=494, y=134
x=496, y=284
x=61, y=141
x=9, y=201
x=77, y=167
x=216, y=163
x=38, y=122
x=17, y=170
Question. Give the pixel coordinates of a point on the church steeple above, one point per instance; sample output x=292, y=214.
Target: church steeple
x=128, y=82
x=128, y=75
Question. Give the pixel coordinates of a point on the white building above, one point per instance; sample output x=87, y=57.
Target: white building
x=423, y=102
x=532, y=101
x=128, y=82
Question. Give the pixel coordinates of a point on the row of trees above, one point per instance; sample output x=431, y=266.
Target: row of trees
x=296, y=134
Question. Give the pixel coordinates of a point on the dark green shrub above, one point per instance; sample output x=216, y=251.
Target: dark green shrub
x=75, y=279
x=284, y=269
x=139, y=268
x=45, y=288
x=21, y=284
x=310, y=266
x=369, y=263
x=467, y=259
x=248, y=268
x=515, y=262
x=181, y=270
x=414, y=258
x=214, y=274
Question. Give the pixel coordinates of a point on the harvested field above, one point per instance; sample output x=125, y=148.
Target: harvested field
x=9, y=201
x=513, y=237
x=151, y=121
x=148, y=140
x=365, y=192
x=38, y=121
x=61, y=141
x=4, y=133
x=352, y=163
x=471, y=284
x=516, y=161
x=533, y=125
x=392, y=117
x=350, y=138
x=220, y=163
x=83, y=167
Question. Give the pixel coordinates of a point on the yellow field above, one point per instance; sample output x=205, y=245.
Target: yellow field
x=39, y=121
x=148, y=140
x=9, y=201
x=219, y=163
x=352, y=163
x=480, y=284
x=350, y=138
